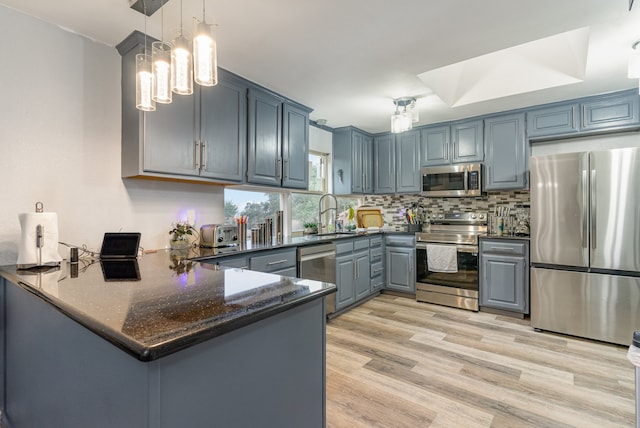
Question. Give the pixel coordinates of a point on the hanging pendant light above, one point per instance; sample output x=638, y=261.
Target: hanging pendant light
x=144, y=76
x=181, y=64
x=161, y=57
x=205, y=57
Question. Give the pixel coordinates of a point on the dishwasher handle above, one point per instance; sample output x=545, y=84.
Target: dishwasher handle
x=314, y=256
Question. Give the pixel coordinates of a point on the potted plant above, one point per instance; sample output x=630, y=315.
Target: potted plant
x=310, y=228
x=180, y=235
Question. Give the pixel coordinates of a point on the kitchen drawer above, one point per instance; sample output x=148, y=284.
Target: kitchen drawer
x=376, y=254
x=400, y=240
x=274, y=261
x=502, y=247
x=375, y=242
x=236, y=262
x=377, y=269
x=360, y=244
x=292, y=272
x=344, y=247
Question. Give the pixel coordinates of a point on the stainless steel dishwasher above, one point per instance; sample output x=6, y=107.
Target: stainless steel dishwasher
x=318, y=262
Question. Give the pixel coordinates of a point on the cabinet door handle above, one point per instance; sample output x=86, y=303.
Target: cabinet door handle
x=203, y=148
x=279, y=168
x=286, y=169
x=277, y=262
x=196, y=154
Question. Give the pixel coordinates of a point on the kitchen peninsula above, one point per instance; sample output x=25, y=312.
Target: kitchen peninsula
x=166, y=344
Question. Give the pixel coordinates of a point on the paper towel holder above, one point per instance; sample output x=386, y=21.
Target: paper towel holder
x=39, y=240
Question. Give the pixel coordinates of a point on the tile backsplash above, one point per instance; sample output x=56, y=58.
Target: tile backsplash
x=392, y=205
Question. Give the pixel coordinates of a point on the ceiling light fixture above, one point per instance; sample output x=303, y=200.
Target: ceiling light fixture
x=144, y=75
x=172, y=67
x=403, y=118
x=161, y=57
x=181, y=64
x=205, y=58
x=633, y=71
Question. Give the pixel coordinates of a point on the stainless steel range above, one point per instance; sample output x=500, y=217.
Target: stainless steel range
x=447, y=260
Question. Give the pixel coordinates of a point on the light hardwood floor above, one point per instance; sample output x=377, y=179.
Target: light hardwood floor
x=394, y=362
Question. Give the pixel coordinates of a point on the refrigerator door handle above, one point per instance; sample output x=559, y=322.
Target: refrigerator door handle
x=585, y=207
x=593, y=208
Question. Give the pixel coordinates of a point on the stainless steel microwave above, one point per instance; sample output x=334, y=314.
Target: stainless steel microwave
x=452, y=180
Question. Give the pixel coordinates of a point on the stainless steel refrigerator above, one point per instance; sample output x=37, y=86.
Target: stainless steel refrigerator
x=585, y=244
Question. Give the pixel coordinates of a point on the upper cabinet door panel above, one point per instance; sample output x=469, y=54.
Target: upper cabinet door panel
x=223, y=131
x=264, y=164
x=611, y=112
x=384, y=164
x=357, y=162
x=434, y=146
x=408, y=162
x=170, y=138
x=295, y=148
x=506, y=162
x=556, y=120
x=367, y=164
x=467, y=142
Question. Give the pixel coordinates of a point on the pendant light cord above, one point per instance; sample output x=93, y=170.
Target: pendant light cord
x=162, y=21
x=144, y=8
x=203, y=11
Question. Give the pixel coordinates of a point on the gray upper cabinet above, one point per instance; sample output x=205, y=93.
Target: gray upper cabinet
x=384, y=164
x=550, y=121
x=467, y=142
x=264, y=152
x=460, y=142
x=434, y=145
x=200, y=137
x=223, y=127
x=611, y=111
x=408, y=162
x=295, y=147
x=352, y=161
x=506, y=160
x=278, y=141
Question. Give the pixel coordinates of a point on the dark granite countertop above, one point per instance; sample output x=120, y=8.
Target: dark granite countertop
x=196, y=253
x=175, y=304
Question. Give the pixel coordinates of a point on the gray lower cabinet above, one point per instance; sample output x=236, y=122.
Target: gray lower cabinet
x=362, y=274
x=201, y=137
x=278, y=142
x=376, y=262
x=353, y=277
x=504, y=274
x=352, y=161
x=506, y=160
x=400, y=269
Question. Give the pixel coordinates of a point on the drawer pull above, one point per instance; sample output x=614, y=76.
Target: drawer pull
x=277, y=262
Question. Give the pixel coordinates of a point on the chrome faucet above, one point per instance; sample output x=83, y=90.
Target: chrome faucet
x=323, y=210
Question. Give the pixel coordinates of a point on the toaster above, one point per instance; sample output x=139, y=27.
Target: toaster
x=218, y=235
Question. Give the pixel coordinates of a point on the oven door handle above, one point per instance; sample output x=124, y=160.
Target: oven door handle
x=459, y=248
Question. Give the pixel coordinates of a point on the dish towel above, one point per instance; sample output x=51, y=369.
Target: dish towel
x=442, y=258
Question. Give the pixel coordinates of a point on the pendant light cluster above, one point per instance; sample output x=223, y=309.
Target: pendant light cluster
x=173, y=66
x=405, y=115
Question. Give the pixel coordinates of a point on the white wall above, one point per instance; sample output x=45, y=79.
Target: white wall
x=60, y=144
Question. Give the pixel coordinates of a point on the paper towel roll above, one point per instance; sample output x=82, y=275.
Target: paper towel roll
x=28, y=252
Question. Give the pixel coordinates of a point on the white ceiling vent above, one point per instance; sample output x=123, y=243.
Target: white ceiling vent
x=546, y=63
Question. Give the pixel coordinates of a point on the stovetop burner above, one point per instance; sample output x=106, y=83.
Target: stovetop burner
x=455, y=228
